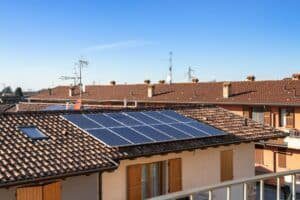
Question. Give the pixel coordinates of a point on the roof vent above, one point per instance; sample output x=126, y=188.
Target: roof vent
x=195, y=80
x=161, y=81
x=296, y=76
x=250, y=78
x=226, y=89
x=112, y=82
x=147, y=81
x=151, y=91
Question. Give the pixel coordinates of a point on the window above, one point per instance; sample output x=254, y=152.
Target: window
x=226, y=165
x=258, y=114
x=287, y=117
x=33, y=132
x=282, y=160
x=259, y=156
x=150, y=180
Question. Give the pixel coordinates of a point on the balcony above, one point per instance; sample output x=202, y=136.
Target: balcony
x=263, y=187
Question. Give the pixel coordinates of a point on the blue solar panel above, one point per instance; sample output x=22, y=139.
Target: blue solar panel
x=108, y=137
x=82, y=121
x=187, y=129
x=33, y=132
x=207, y=128
x=175, y=115
x=152, y=133
x=172, y=131
x=143, y=118
x=135, y=128
x=160, y=117
x=104, y=120
x=132, y=135
x=121, y=117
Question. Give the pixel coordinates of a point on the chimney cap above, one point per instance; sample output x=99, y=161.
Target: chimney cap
x=112, y=82
x=147, y=81
x=227, y=83
x=250, y=78
x=195, y=80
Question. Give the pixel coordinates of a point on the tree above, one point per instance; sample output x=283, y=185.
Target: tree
x=7, y=90
x=19, y=92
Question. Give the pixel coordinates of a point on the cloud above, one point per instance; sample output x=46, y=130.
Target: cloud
x=119, y=45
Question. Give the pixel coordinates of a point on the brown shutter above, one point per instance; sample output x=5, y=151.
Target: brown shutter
x=134, y=182
x=267, y=116
x=30, y=193
x=290, y=118
x=175, y=175
x=247, y=112
x=52, y=191
x=282, y=160
x=226, y=165
x=259, y=156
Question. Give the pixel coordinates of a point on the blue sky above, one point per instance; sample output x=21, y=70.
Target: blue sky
x=129, y=41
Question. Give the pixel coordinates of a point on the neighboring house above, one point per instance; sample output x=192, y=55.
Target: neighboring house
x=93, y=154
x=274, y=102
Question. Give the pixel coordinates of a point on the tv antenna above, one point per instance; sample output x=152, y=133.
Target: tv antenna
x=74, y=78
x=81, y=64
x=170, y=75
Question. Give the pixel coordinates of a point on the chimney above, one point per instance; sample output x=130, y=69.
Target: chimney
x=71, y=91
x=195, y=80
x=296, y=77
x=250, y=78
x=161, y=81
x=150, y=91
x=147, y=81
x=50, y=91
x=226, y=89
x=124, y=103
x=67, y=105
x=17, y=107
x=112, y=82
x=83, y=88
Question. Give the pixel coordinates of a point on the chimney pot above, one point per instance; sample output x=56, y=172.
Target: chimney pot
x=195, y=80
x=147, y=81
x=296, y=76
x=250, y=78
x=226, y=89
x=150, y=91
x=113, y=82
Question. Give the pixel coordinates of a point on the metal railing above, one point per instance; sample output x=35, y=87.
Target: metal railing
x=190, y=193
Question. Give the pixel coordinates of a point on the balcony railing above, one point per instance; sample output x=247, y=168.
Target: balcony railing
x=191, y=193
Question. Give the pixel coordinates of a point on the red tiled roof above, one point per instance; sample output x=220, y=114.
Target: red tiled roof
x=70, y=151
x=243, y=92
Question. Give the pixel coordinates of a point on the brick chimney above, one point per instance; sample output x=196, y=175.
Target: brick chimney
x=226, y=89
x=250, y=78
x=195, y=80
x=71, y=91
x=296, y=76
x=151, y=90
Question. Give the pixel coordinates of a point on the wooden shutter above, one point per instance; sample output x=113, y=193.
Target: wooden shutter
x=134, y=182
x=290, y=118
x=52, y=191
x=30, y=193
x=226, y=165
x=175, y=175
x=247, y=112
x=267, y=116
x=259, y=156
x=282, y=160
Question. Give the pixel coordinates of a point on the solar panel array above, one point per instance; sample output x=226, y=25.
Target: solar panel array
x=135, y=128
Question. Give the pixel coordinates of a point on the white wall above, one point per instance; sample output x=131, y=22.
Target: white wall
x=199, y=168
x=74, y=188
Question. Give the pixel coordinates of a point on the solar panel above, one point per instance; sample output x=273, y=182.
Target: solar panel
x=33, y=132
x=136, y=128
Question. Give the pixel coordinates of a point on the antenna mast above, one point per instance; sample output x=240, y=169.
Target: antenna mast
x=81, y=64
x=170, y=68
x=190, y=74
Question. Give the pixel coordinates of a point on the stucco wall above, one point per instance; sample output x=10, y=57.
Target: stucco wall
x=75, y=188
x=199, y=168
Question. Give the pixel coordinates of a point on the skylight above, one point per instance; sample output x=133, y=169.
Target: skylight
x=33, y=132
